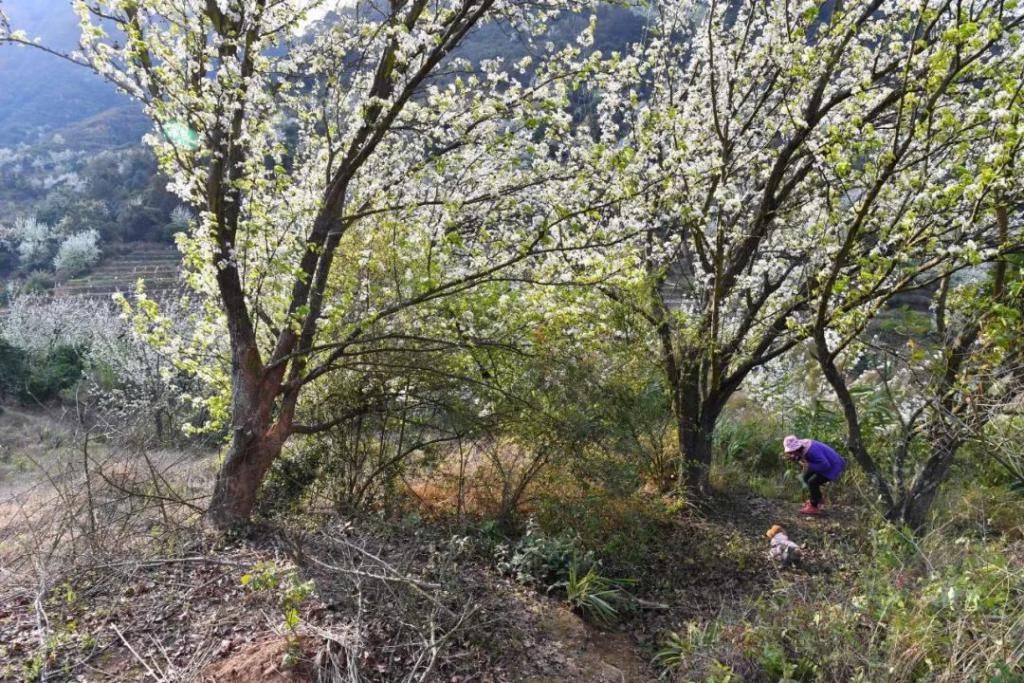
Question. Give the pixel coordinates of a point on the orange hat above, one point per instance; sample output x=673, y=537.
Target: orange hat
x=774, y=530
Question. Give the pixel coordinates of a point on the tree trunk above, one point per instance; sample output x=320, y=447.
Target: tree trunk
x=695, y=457
x=854, y=436
x=695, y=426
x=914, y=507
x=256, y=442
x=238, y=482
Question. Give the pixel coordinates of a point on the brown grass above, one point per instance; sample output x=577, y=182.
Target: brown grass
x=486, y=480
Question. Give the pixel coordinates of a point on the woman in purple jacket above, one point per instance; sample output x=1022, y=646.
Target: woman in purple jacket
x=821, y=465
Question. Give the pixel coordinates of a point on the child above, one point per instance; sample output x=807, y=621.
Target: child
x=781, y=549
x=821, y=465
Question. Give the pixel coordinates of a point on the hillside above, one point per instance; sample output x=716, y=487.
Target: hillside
x=40, y=93
x=156, y=265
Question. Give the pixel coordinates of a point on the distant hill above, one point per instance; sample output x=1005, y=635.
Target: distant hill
x=115, y=127
x=618, y=27
x=40, y=93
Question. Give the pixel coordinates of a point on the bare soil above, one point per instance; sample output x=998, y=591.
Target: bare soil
x=171, y=604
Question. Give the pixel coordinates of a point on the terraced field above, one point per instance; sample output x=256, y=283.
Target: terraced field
x=157, y=265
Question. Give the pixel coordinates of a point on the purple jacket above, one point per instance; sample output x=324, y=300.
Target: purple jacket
x=824, y=461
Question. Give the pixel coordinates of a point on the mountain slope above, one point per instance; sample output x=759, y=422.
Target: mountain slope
x=40, y=93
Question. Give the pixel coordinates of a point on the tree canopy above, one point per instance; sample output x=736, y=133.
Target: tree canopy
x=747, y=178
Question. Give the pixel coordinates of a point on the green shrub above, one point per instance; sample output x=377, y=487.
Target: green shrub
x=53, y=372
x=696, y=649
x=540, y=560
x=752, y=440
x=624, y=531
x=559, y=564
x=817, y=420
x=38, y=377
x=37, y=281
x=289, y=479
x=13, y=370
x=594, y=595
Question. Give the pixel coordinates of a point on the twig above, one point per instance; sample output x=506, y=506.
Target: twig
x=163, y=651
x=42, y=624
x=136, y=654
x=435, y=644
x=647, y=604
x=397, y=578
x=415, y=584
x=170, y=560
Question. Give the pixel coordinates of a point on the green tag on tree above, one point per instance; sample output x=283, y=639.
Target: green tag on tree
x=180, y=135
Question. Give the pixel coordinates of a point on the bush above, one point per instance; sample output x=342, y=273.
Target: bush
x=627, y=532
x=37, y=282
x=754, y=441
x=290, y=477
x=542, y=561
x=38, y=377
x=77, y=254
x=560, y=564
x=52, y=373
x=13, y=370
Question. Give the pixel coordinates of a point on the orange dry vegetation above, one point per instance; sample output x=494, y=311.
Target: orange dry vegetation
x=487, y=481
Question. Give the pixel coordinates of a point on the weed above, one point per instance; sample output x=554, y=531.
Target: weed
x=540, y=560
x=672, y=653
x=34, y=667
x=689, y=649
x=625, y=532
x=593, y=595
x=1004, y=674
x=290, y=591
x=750, y=441
x=936, y=609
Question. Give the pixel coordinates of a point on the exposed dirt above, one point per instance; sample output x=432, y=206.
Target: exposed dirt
x=263, y=660
x=380, y=597
x=590, y=654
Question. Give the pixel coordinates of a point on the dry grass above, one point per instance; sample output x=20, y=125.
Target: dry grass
x=107, y=574
x=75, y=512
x=485, y=480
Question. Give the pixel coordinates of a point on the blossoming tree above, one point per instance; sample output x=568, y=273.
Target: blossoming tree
x=792, y=147
x=341, y=176
x=949, y=384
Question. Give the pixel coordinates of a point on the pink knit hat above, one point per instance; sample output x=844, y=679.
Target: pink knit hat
x=791, y=444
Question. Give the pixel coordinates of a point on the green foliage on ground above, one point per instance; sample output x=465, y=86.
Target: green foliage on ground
x=541, y=560
x=561, y=565
x=38, y=376
x=941, y=608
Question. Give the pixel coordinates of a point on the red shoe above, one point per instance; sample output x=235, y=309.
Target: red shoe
x=810, y=509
